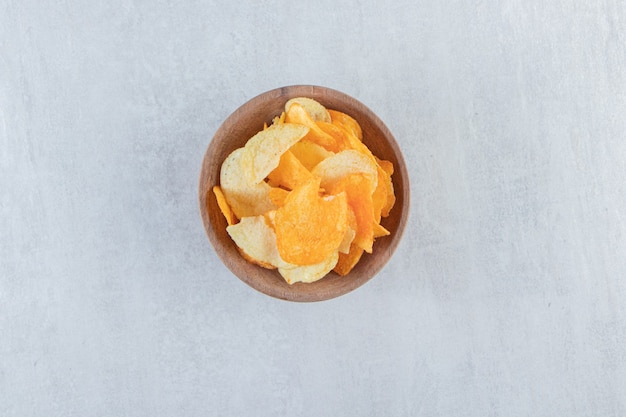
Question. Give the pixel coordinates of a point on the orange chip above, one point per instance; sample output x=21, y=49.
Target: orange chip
x=290, y=172
x=340, y=135
x=296, y=114
x=380, y=231
x=223, y=205
x=379, y=197
x=391, y=197
x=310, y=228
x=278, y=196
x=350, y=232
x=358, y=191
x=347, y=261
x=387, y=166
x=348, y=122
x=351, y=141
x=309, y=154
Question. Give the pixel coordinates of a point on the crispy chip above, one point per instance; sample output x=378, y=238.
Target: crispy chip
x=244, y=196
x=309, y=154
x=316, y=111
x=256, y=239
x=298, y=115
x=379, y=197
x=341, y=136
x=391, y=197
x=266, y=147
x=344, y=163
x=357, y=189
x=309, y=228
x=309, y=273
x=278, y=196
x=348, y=238
x=380, y=231
x=223, y=205
x=346, y=121
x=346, y=262
x=289, y=173
x=387, y=166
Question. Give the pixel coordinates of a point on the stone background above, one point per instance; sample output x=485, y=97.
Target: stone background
x=506, y=296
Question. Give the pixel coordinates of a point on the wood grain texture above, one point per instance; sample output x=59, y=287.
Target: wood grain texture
x=235, y=132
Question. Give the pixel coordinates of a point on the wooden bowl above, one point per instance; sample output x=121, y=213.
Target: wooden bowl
x=235, y=132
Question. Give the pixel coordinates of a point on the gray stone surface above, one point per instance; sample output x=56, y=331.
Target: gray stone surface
x=505, y=298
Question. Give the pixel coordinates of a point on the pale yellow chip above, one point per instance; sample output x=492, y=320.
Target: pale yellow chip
x=263, y=150
x=245, y=197
x=309, y=273
x=333, y=169
x=314, y=108
x=257, y=240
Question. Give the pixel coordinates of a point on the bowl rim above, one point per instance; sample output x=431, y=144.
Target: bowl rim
x=300, y=292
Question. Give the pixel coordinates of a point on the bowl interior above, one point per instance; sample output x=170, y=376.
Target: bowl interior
x=235, y=132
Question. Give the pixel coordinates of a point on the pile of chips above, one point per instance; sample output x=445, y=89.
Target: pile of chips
x=305, y=195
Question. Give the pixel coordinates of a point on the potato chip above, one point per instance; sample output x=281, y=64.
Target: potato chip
x=391, y=197
x=316, y=111
x=356, y=144
x=346, y=262
x=348, y=238
x=309, y=273
x=244, y=196
x=359, y=196
x=309, y=228
x=289, y=173
x=309, y=153
x=379, y=197
x=223, y=205
x=344, y=163
x=342, y=141
x=380, y=231
x=278, y=196
x=266, y=147
x=346, y=121
x=387, y=166
x=298, y=115
x=257, y=240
